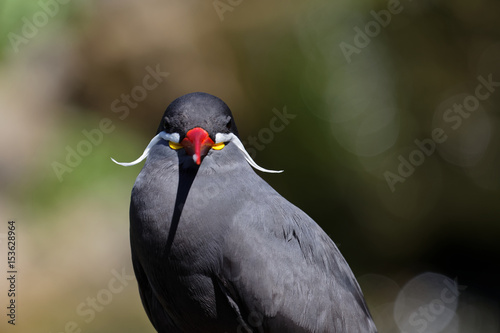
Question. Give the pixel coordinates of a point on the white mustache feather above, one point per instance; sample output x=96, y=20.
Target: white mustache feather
x=230, y=137
x=219, y=137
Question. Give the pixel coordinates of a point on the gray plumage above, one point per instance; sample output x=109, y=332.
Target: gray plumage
x=216, y=249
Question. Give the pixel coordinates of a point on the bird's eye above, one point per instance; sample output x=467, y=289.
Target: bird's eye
x=228, y=125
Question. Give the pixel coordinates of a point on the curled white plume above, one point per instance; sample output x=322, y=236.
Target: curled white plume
x=162, y=135
x=230, y=137
x=175, y=137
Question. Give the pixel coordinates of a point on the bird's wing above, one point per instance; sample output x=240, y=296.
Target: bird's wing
x=155, y=311
x=287, y=275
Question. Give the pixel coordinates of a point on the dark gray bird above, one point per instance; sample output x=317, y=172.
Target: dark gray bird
x=216, y=249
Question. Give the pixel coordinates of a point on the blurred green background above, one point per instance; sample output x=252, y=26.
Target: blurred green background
x=363, y=80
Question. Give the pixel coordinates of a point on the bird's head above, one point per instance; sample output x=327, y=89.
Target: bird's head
x=197, y=123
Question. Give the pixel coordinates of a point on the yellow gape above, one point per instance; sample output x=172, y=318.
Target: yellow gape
x=218, y=146
x=175, y=145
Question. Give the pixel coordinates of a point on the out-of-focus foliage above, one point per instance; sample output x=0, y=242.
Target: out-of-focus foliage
x=391, y=145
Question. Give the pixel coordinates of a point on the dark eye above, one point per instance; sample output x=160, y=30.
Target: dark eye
x=165, y=123
x=228, y=125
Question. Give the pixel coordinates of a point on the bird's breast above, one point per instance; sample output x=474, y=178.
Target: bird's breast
x=178, y=223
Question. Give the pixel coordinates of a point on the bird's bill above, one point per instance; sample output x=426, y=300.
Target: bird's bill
x=197, y=143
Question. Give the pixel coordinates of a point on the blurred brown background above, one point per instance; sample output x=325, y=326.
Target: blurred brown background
x=366, y=81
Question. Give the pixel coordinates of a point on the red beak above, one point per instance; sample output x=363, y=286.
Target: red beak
x=197, y=143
